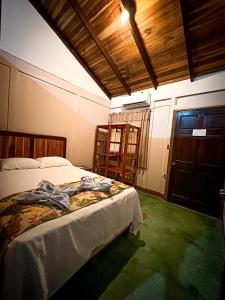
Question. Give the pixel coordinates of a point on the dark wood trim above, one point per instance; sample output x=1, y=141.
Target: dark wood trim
x=201, y=107
x=154, y=193
x=139, y=42
x=69, y=46
x=186, y=39
x=99, y=44
x=171, y=144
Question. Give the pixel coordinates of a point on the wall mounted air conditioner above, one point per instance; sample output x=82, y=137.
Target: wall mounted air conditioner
x=135, y=105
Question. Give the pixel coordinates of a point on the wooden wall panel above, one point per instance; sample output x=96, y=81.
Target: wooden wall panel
x=183, y=39
x=206, y=27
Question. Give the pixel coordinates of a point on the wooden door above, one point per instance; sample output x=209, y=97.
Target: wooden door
x=198, y=162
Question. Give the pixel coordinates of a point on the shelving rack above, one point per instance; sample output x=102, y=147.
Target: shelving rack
x=116, y=151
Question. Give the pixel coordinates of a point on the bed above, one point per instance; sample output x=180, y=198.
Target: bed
x=39, y=261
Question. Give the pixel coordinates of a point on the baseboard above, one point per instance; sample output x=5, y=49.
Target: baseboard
x=151, y=192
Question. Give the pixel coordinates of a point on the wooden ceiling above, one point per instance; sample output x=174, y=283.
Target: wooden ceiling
x=164, y=40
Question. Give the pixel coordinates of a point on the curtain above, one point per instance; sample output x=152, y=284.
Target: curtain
x=140, y=119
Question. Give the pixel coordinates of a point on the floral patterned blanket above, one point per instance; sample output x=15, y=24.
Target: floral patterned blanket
x=17, y=217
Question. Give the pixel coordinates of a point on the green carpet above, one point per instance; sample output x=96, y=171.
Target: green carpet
x=178, y=254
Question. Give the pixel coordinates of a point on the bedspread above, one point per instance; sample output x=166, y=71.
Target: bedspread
x=39, y=261
x=17, y=217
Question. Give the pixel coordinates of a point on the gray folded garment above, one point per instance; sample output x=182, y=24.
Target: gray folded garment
x=48, y=194
x=88, y=184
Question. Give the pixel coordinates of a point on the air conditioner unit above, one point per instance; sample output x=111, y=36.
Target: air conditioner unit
x=135, y=105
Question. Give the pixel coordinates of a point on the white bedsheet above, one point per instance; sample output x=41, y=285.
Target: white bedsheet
x=15, y=181
x=41, y=260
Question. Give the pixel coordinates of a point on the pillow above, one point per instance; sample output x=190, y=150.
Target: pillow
x=18, y=163
x=53, y=161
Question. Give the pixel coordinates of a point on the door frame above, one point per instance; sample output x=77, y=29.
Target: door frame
x=171, y=147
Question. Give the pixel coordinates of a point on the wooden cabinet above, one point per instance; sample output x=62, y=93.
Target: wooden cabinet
x=116, y=151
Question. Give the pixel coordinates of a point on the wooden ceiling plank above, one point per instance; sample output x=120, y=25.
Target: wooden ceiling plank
x=99, y=44
x=70, y=47
x=186, y=39
x=139, y=42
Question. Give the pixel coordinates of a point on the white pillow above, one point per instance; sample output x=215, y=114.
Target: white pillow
x=53, y=161
x=18, y=163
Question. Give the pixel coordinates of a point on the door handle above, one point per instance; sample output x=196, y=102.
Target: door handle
x=173, y=163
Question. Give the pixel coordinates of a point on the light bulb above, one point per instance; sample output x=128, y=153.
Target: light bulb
x=124, y=16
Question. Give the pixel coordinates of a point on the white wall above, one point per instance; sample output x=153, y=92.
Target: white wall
x=25, y=34
x=34, y=101
x=204, y=92
x=203, y=84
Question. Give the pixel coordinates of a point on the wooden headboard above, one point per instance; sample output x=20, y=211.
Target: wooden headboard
x=18, y=144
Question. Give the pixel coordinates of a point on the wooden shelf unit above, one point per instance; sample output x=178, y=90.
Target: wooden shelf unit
x=116, y=151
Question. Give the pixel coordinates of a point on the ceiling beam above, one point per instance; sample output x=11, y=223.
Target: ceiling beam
x=99, y=44
x=186, y=39
x=70, y=47
x=129, y=5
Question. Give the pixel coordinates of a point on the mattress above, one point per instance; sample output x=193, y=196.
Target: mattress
x=39, y=261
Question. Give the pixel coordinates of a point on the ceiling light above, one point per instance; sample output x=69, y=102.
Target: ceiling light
x=124, y=16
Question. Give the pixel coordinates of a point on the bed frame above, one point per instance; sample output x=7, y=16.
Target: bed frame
x=19, y=144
